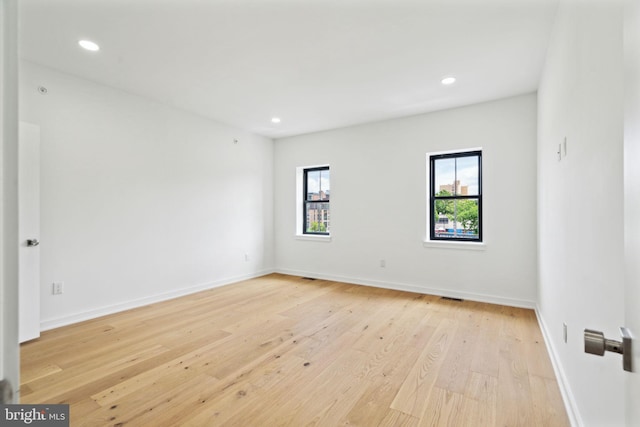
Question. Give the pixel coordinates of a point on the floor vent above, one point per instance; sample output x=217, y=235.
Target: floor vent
x=308, y=278
x=452, y=299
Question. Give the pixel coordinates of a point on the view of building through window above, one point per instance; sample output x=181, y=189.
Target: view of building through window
x=317, y=193
x=456, y=196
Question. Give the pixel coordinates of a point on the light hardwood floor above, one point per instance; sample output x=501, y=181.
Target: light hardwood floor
x=283, y=350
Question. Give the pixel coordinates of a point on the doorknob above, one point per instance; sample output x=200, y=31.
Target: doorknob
x=32, y=242
x=596, y=343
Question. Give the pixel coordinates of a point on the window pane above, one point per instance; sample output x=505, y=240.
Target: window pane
x=467, y=218
x=467, y=172
x=318, y=218
x=325, y=184
x=443, y=215
x=456, y=196
x=456, y=219
x=445, y=175
x=313, y=185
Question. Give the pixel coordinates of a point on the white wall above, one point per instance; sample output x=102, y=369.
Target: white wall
x=9, y=350
x=580, y=202
x=141, y=201
x=632, y=198
x=378, y=203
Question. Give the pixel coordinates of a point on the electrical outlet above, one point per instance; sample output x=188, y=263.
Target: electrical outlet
x=57, y=288
x=564, y=332
x=383, y=263
x=246, y=257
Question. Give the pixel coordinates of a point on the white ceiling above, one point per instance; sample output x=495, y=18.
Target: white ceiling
x=316, y=64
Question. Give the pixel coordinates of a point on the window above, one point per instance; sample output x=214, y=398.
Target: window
x=316, y=198
x=455, y=202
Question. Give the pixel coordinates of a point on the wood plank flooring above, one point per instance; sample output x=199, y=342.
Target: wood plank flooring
x=283, y=350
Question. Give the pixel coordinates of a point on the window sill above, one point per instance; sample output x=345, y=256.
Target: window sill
x=313, y=238
x=469, y=246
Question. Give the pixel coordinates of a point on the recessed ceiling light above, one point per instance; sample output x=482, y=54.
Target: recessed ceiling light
x=448, y=80
x=275, y=120
x=89, y=45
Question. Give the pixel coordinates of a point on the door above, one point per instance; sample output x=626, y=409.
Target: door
x=29, y=230
x=9, y=350
x=632, y=202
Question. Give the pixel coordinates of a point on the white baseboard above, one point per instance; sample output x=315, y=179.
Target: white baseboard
x=563, y=383
x=492, y=299
x=115, y=308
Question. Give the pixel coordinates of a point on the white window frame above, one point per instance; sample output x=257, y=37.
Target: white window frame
x=299, y=234
x=445, y=244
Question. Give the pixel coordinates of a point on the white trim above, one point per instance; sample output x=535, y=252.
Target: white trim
x=140, y=302
x=9, y=218
x=313, y=237
x=299, y=187
x=492, y=299
x=443, y=244
x=563, y=383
